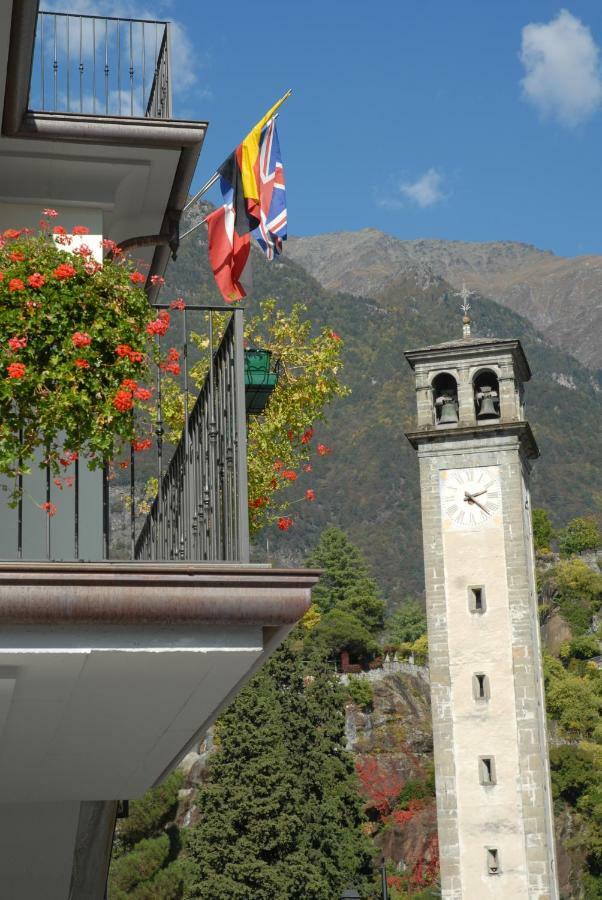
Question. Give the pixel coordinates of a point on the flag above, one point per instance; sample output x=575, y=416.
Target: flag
x=228, y=231
x=271, y=230
x=254, y=201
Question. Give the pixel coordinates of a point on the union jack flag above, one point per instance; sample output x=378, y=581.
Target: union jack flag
x=271, y=230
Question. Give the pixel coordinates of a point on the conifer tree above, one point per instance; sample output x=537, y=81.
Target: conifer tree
x=346, y=583
x=280, y=816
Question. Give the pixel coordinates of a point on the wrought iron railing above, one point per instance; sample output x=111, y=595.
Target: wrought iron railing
x=200, y=511
x=101, y=65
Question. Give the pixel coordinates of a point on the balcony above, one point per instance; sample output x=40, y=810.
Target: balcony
x=200, y=511
x=101, y=66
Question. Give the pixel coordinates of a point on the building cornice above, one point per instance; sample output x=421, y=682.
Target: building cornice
x=469, y=351
x=85, y=593
x=436, y=435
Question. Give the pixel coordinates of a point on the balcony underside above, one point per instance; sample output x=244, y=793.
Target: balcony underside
x=109, y=673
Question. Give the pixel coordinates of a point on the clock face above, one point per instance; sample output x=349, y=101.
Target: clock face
x=470, y=498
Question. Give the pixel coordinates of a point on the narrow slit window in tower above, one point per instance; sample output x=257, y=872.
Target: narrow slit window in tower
x=487, y=770
x=493, y=861
x=476, y=599
x=480, y=685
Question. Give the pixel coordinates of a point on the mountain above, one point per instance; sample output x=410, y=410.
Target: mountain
x=369, y=485
x=561, y=297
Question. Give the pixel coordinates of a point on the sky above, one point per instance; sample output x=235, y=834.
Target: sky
x=469, y=120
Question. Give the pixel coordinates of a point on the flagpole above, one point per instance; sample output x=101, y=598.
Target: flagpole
x=209, y=184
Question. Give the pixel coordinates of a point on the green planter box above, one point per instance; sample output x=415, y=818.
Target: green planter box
x=260, y=380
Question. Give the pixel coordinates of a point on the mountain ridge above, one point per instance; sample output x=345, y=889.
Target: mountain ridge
x=561, y=296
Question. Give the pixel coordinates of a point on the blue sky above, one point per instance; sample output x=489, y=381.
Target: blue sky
x=411, y=116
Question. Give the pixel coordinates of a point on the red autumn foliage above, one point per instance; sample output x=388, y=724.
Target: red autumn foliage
x=380, y=784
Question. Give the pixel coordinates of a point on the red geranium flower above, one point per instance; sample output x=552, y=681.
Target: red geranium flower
x=15, y=370
x=129, y=384
x=310, y=495
x=142, y=393
x=17, y=343
x=82, y=363
x=137, y=278
x=15, y=284
x=81, y=339
x=123, y=350
x=307, y=467
x=289, y=475
x=11, y=234
x=285, y=523
x=17, y=257
x=172, y=367
x=307, y=436
x=36, y=280
x=50, y=508
x=157, y=279
x=58, y=229
x=51, y=213
x=160, y=325
x=136, y=356
x=177, y=304
x=173, y=355
x=144, y=444
x=122, y=401
x=258, y=502
x=64, y=271
x=323, y=450
x=80, y=229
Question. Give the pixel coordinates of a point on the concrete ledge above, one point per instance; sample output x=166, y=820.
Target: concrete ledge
x=146, y=593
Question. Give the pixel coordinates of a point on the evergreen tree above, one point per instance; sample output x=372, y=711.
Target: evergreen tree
x=146, y=848
x=407, y=624
x=280, y=816
x=346, y=583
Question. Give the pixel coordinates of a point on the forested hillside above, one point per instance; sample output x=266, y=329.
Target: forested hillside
x=369, y=485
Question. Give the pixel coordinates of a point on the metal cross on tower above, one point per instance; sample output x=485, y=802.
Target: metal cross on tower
x=465, y=295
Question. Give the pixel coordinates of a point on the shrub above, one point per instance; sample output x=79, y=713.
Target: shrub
x=361, y=691
x=543, y=531
x=582, y=533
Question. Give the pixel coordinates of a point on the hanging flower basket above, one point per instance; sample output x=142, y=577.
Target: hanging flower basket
x=260, y=380
x=75, y=339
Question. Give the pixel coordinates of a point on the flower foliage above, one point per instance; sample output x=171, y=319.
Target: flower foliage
x=281, y=442
x=62, y=318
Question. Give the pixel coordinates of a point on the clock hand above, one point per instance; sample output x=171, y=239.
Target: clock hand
x=470, y=499
x=478, y=493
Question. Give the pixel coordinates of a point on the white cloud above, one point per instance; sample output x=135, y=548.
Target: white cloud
x=426, y=190
x=563, y=78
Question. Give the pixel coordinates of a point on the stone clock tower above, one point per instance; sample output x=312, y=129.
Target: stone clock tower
x=475, y=450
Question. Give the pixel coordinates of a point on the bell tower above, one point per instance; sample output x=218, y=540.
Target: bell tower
x=475, y=451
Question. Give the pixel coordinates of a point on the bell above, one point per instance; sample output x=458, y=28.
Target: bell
x=487, y=408
x=449, y=411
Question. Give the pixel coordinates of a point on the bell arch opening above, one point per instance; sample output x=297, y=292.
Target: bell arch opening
x=486, y=389
x=445, y=396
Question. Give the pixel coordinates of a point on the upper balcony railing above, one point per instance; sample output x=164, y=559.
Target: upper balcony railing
x=100, y=65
